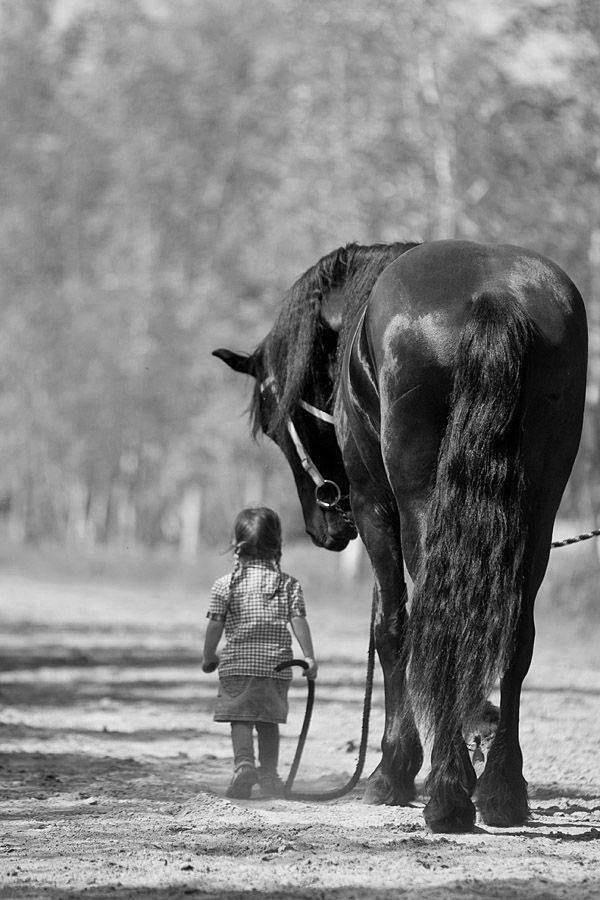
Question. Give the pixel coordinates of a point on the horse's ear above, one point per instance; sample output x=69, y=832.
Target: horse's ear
x=332, y=306
x=239, y=362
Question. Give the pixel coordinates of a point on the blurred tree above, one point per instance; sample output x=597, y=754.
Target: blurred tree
x=170, y=168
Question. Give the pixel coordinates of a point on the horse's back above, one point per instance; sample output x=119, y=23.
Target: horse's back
x=433, y=285
x=423, y=300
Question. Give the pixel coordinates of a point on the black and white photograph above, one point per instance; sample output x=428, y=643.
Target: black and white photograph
x=299, y=449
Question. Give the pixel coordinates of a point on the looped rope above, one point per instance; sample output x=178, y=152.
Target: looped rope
x=362, y=752
x=576, y=540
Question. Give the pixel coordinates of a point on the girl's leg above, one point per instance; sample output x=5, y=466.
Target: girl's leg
x=244, y=775
x=271, y=784
x=243, y=744
x=268, y=746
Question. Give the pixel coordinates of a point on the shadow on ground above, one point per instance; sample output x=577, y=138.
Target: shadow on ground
x=531, y=888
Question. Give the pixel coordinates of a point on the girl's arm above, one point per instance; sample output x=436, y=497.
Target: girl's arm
x=214, y=630
x=301, y=629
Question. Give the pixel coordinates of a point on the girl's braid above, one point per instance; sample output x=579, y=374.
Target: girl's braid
x=279, y=582
x=236, y=573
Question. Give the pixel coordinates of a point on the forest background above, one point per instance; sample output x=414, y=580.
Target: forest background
x=169, y=167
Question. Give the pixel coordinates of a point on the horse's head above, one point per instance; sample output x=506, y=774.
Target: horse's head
x=293, y=368
x=306, y=435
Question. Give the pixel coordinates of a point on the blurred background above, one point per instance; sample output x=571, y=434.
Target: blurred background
x=169, y=167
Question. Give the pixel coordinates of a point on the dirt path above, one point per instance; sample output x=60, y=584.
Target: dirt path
x=113, y=772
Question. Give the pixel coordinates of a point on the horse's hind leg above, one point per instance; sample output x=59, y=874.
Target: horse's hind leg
x=452, y=778
x=501, y=793
x=450, y=784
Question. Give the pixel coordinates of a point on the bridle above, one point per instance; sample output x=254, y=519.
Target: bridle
x=327, y=493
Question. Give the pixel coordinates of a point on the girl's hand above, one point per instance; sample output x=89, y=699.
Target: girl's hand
x=210, y=663
x=313, y=668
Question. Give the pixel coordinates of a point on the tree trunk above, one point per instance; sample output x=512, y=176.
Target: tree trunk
x=190, y=515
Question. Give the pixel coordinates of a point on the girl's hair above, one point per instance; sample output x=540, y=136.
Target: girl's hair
x=257, y=533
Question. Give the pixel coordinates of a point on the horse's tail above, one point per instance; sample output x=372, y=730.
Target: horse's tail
x=467, y=596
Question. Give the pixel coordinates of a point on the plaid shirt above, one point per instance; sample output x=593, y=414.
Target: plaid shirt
x=256, y=613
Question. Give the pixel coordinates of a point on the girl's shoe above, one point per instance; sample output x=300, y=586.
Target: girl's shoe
x=242, y=783
x=271, y=784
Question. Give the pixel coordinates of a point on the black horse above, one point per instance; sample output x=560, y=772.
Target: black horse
x=440, y=387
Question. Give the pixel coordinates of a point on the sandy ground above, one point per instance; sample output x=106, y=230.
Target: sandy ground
x=113, y=772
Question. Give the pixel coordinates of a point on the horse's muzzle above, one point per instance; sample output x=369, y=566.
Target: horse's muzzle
x=331, y=530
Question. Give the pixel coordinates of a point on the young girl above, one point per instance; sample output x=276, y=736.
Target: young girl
x=254, y=605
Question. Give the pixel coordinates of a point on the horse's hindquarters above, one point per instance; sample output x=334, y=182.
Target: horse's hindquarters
x=477, y=463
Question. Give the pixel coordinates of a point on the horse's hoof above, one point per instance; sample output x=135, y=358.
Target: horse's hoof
x=502, y=804
x=380, y=791
x=497, y=817
x=443, y=820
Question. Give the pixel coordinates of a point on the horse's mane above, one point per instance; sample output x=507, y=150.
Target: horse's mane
x=294, y=345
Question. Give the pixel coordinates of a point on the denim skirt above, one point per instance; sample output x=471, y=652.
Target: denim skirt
x=250, y=698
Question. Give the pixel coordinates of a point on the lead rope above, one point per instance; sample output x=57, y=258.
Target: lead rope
x=362, y=752
x=575, y=540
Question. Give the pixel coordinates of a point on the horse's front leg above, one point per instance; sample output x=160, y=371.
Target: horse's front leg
x=393, y=781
